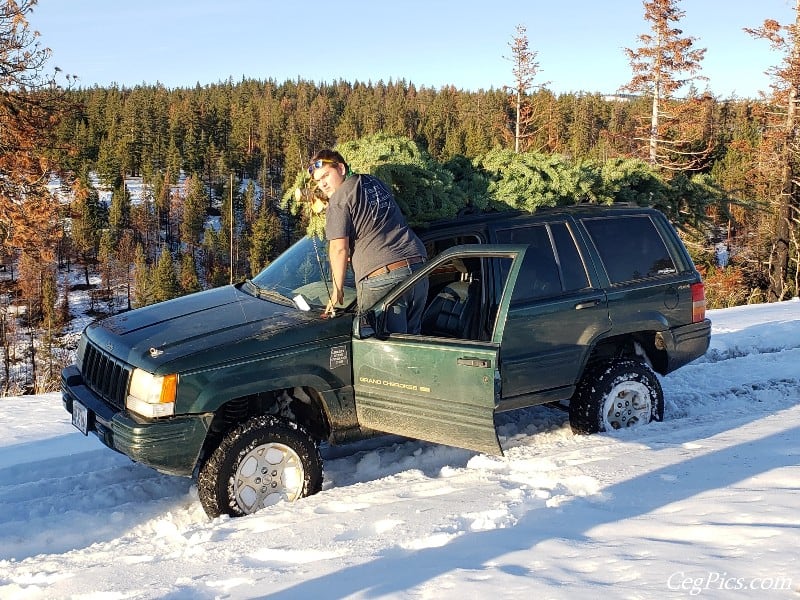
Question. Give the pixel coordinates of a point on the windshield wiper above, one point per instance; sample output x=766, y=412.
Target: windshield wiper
x=272, y=295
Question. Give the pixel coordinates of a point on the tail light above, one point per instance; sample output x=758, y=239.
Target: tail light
x=698, y=302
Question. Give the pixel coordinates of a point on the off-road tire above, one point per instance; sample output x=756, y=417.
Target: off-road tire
x=260, y=462
x=615, y=395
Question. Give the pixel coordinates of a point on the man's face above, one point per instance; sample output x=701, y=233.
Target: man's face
x=329, y=177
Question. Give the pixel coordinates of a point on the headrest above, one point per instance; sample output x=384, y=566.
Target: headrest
x=459, y=265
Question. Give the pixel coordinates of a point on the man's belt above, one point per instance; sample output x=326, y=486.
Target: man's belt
x=406, y=262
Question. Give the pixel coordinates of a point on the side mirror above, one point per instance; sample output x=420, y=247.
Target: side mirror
x=365, y=325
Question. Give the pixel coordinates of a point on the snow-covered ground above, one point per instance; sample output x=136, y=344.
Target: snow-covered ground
x=704, y=504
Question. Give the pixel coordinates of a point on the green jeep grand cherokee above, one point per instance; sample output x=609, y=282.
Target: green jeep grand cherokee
x=238, y=386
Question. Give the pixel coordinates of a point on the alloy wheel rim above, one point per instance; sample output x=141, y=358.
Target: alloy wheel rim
x=627, y=405
x=266, y=475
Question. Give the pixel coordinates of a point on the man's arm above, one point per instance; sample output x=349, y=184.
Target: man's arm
x=338, y=251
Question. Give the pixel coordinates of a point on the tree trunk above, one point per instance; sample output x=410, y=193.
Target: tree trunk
x=517, y=128
x=653, y=146
x=654, y=128
x=779, y=261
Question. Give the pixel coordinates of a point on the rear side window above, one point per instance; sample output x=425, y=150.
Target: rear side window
x=540, y=275
x=572, y=268
x=630, y=247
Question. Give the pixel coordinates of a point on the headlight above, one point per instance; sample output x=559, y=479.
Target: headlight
x=152, y=395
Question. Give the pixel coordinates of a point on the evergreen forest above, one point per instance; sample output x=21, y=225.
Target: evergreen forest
x=444, y=151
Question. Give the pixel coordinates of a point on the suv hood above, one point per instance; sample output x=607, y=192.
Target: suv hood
x=208, y=328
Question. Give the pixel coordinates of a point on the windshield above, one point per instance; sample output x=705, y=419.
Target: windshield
x=303, y=269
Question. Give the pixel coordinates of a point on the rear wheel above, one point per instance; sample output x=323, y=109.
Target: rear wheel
x=261, y=462
x=616, y=395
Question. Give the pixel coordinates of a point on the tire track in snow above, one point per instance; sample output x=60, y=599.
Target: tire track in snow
x=102, y=489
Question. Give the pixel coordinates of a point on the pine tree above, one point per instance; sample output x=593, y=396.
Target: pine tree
x=266, y=232
x=50, y=325
x=106, y=256
x=295, y=160
x=193, y=211
x=165, y=280
x=529, y=180
x=142, y=282
x=525, y=68
x=249, y=204
x=657, y=65
x=125, y=256
x=144, y=220
x=234, y=232
x=108, y=165
x=49, y=298
x=9, y=331
x=86, y=220
x=64, y=306
x=119, y=215
x=215, y=259
x=441, y=121
x=188, y=279
x=162, y=204
x=173, y=166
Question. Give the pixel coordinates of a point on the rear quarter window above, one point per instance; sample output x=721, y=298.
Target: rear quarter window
x=630, y=247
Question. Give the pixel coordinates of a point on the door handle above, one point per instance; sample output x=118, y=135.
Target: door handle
x=474, y=362
x=587, y=303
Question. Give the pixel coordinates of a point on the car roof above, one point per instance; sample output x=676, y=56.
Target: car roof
x=482, y=220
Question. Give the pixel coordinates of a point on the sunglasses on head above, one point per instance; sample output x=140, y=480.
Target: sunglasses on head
x=318, y=163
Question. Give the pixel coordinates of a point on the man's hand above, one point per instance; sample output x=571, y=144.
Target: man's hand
x=336, y=298
x=330, y=310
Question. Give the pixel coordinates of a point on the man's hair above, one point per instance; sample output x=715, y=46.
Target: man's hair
x=328, y=154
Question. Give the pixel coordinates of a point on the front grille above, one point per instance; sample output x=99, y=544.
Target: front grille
x=105, y=375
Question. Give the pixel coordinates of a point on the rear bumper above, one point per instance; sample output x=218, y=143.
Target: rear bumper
x=167, y=445
x=685, y=344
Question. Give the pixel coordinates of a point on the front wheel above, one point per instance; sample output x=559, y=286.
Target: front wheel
x=616, y=395
x=259, y=463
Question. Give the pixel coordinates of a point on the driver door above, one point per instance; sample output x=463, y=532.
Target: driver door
x=442, y=390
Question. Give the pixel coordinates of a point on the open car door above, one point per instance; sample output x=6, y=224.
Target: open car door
x=428, y=386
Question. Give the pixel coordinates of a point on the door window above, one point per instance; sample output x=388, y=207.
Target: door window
x=463, y=296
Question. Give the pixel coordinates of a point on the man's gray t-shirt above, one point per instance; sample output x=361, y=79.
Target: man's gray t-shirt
x=364, y=211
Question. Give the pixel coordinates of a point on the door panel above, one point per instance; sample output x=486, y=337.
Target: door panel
x=546, y=342
x=442, y=390
x=431, y=389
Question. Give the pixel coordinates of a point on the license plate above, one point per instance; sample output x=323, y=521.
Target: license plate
x=80, y=417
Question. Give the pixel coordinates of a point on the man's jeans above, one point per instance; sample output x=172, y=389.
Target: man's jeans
x=405, y=315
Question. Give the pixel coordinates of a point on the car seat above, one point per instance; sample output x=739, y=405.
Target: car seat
x=451, y=313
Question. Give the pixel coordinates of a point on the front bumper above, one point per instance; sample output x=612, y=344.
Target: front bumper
x=167, y=445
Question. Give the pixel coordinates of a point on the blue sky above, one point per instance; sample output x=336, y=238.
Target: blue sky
x=579, y=43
